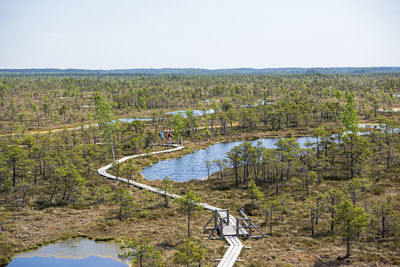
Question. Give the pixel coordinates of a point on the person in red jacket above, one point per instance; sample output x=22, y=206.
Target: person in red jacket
x=169, y=136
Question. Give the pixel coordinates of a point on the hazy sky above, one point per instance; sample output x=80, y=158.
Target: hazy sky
x=111, y=34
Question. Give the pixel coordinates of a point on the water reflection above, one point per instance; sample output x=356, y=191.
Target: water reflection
x=73, y=252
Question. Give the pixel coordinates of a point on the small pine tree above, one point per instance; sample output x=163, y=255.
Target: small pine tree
x=189, y=252
x=351, y=221
x=270, y=206
x=124, y=201
x=384, y=214
x=253, y=192
x=189, y=204
x=166, y=188
x=144, y=254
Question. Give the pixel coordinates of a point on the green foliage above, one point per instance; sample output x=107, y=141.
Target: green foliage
x=349, y=115
x=137, y=126
x=166, y=187
x=15, y=155
x=178, y=123
x=142, y=252
x=285, y=204
x=128, y=170
x=104, y=115
x=106, y=120
x=270, y=206
x=385, y=217
x=189, y=204
x=116, y=167
x=101, y=194
x=125, y=202
x=355, y=185
x=68, y=181
x=253, y=192
x=189, y=252
x=351, y=221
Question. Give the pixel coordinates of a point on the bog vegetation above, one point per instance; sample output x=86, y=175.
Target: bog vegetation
x=333, y=199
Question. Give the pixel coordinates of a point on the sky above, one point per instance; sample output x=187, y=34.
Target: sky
x=213, y=34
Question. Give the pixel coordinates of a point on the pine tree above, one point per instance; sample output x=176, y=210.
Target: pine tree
x=253, y=192
x=189, y=252
x=144, y=254
x=106, y=120
x=351, y=221
x=189, y=204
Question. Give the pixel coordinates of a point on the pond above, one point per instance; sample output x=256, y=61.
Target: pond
x=196, y=112
x=260, y=102
x=377, y=126
x=192, y=166
x=135, y=119
x=72, y=253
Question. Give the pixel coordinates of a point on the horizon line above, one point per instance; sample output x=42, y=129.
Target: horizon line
x=196, y=68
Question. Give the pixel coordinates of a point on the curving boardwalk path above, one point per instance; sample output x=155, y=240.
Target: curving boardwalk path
x=235, y=246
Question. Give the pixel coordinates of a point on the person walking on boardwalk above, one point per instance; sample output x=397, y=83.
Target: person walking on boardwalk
x=161, y=134
x=169, y=137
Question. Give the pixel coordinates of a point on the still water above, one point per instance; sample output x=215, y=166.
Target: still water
x=71, y=253
x=193, y=166
x=196, y=112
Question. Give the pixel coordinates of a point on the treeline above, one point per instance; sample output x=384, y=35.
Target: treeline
x=198, y=71
x=284, y=101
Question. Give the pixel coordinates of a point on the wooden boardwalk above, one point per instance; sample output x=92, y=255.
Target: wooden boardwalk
x=235, y=246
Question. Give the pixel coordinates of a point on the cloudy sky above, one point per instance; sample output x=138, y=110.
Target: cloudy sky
x=115, y=34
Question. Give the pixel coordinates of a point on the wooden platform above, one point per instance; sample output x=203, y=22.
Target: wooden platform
x=230, y=230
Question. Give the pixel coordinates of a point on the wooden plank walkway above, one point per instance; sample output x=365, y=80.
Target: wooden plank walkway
x=235, y=246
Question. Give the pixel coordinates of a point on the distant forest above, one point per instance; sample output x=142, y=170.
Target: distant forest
x=198, y=71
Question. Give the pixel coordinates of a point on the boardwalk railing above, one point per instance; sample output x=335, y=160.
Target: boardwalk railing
x=235, y=246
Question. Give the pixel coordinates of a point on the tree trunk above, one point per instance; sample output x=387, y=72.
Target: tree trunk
x=388, y=157
x=13, y=175
x=23, y=196
x=288, y=171
x=120, y=212
x=35, y=175
x=276, y=181
x=69, y=194
x=52, y=194
x=312, y=222
x=65, y=191
x=236, y=174
x=270, y=222
x=166, y=200
x=188, y=224
x=307, y=185
x=112, y=148
x=351, y=160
